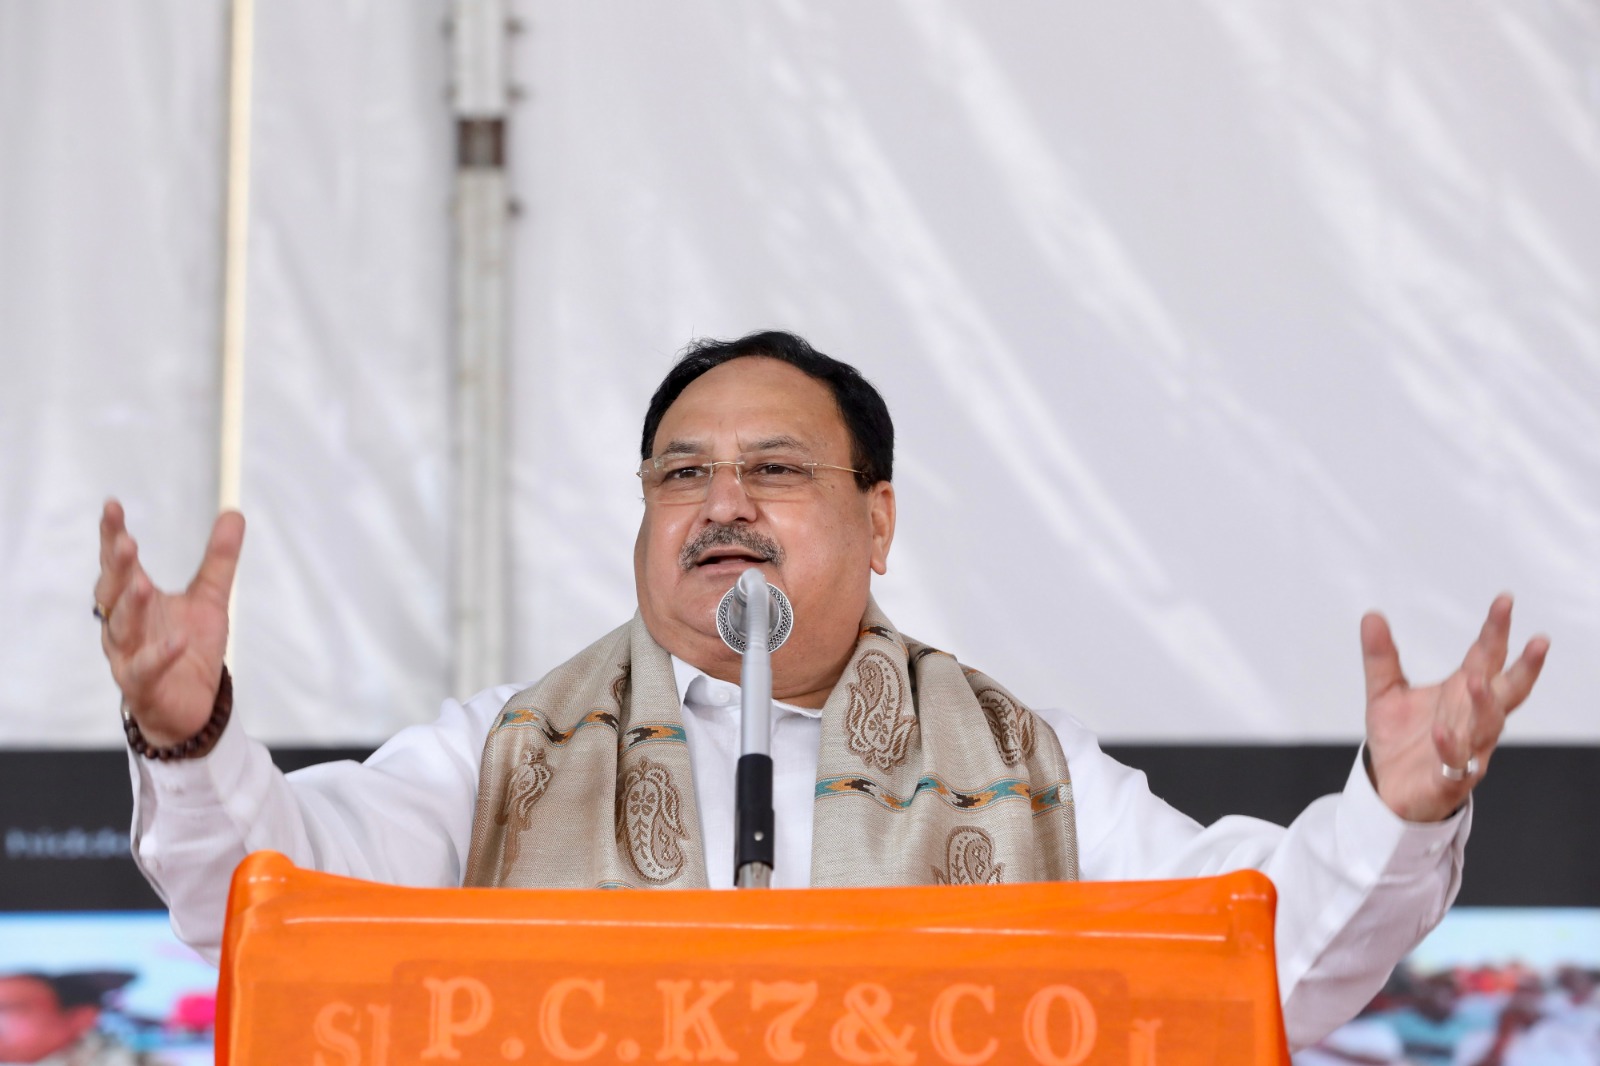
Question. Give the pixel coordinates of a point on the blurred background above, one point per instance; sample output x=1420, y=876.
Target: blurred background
x=1206, y=326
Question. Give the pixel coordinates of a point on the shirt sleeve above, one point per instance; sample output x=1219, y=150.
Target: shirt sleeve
x=403, y=816
x=1358, y=886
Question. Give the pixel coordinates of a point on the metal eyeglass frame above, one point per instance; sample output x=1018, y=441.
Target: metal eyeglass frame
x=653, y=465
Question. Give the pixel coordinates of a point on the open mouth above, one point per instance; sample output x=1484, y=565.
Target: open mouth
x=729, y=555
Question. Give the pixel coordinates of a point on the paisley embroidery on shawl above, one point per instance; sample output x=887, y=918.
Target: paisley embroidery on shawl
x=1012, y=725
x=528, y=784
x=969, y=859
x=879, y=722
x=650, y=822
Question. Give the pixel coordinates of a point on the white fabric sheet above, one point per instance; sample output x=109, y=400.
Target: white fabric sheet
x=344, y=583
x=1206, y=326
x=110, y=257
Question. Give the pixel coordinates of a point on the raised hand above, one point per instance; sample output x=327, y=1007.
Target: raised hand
x=165, y=649
x=1429, y=746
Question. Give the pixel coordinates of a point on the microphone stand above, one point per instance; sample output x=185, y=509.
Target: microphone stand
x=753, y=818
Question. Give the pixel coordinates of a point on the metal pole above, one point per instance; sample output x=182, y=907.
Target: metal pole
x=753, y=830
x=479, y=34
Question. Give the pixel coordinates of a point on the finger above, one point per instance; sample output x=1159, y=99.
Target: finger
x=215, y=576
x=1379, y=657
x=145, y=668
x=1487, y=721
x=1452, y=720
x=111, y=546
x=1488, y=652
x=124, y=567
x=1472, y=731
x=1513, y=686
x=1460, y=756
x=1452, y=732
x=129, y=613
x=112, y=522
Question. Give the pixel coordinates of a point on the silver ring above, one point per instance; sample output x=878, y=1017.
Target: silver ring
x=1453, y=773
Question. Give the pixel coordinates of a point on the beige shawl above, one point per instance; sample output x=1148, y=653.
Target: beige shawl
x=929, y=773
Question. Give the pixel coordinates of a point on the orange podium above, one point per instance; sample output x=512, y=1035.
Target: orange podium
x=328, y=971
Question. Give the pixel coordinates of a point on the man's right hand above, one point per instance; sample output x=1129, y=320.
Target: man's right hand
x=166, y=649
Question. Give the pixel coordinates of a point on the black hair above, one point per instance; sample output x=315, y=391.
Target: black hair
x=865, y=415
x=87, y=988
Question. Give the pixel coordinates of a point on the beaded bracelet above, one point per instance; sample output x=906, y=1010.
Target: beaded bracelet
x=196, y=746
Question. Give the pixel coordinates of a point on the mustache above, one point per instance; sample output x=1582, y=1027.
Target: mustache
x=728, y=536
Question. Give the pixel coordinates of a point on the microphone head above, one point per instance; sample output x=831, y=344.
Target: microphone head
x=730, y=619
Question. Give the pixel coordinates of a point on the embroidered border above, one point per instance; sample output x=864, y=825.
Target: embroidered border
x=1044, y=801
x=881, y=631
x=653, y=733
x=518, y=718
x=1050, y=799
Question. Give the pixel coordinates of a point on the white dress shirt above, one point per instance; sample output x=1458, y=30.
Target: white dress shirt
x=1357, y=885
x=711, y=724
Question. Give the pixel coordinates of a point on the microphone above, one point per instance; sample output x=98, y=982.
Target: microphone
x=733, y=613
x=754, y=619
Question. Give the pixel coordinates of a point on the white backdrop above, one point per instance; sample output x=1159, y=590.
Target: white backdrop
x=1206, y=327
x=111, y=125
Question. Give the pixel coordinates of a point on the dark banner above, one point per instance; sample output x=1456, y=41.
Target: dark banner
x=64, y=817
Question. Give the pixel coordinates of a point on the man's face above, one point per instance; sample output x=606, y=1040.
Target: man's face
x=32, y=1022
x=820, y=547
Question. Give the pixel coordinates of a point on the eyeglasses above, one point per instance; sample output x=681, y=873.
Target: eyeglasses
x=676, y=478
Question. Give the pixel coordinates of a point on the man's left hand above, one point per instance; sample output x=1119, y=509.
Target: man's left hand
x=1429, y=746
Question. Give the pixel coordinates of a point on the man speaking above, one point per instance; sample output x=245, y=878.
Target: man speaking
x=893, y=763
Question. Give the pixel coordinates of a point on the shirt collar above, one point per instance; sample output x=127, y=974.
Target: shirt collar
x=697, y=685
